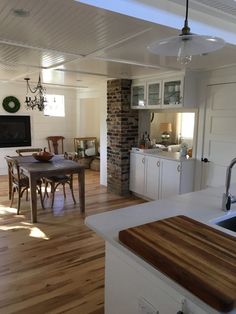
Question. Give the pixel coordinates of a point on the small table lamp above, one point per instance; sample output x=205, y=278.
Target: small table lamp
x=165, y=129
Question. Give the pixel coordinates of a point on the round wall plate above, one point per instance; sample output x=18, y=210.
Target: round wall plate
x=11, y=104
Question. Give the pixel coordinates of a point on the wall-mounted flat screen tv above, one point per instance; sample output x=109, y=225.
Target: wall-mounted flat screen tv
x=15, y=131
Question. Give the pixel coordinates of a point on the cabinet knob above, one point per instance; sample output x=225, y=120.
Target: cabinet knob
x=158, y=164
x=179, y=168
x=143, y=160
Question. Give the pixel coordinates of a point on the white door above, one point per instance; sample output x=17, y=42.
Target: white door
x=220, y=134
x=137, y=173
x=152, y=177
x=170, y=178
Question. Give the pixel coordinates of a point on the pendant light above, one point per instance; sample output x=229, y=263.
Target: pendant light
x=186, y=44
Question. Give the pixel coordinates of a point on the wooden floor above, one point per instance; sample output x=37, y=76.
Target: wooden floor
x=56, y=265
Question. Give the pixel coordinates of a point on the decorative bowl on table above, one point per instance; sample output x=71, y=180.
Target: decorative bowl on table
x=43, y=156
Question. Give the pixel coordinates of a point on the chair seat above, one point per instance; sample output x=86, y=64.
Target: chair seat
x=55, y=181
x=58, y=178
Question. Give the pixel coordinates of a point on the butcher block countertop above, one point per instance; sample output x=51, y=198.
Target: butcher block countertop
x=198, y=257
x=214, y=254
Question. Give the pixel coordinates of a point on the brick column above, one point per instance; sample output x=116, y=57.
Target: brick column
x=122, y=134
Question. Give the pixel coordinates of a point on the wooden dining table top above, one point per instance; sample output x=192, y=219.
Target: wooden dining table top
x=57, y=163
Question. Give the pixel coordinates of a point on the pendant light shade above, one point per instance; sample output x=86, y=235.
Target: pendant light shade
x=186, y=45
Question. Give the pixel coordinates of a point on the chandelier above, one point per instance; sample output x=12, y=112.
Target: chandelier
x=186, y=44
x=39, y=100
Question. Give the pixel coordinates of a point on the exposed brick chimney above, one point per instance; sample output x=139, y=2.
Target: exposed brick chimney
x=122, y=134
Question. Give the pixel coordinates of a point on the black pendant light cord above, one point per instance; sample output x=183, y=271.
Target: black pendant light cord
x=186, y=28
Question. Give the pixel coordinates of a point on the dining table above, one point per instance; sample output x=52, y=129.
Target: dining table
x=58, y=165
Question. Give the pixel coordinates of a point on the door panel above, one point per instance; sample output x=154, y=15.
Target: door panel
x=220, y=134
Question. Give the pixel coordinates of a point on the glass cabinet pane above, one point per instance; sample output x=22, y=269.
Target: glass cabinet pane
x=154, y=98
x=172, y=93
x=138, y=94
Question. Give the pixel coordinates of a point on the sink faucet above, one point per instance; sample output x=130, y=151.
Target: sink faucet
x=228, y=199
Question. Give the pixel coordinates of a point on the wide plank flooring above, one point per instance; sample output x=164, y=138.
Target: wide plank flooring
x=56, y=265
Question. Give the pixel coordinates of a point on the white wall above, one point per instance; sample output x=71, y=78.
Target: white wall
x=41, y=126
x=96, y=114
x=89, y=118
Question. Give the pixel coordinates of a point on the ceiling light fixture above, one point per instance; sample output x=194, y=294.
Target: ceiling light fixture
x=39, y=100
x=186, y=44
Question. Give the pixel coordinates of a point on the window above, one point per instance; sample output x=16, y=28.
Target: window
x=55, y=106
x=187, y=125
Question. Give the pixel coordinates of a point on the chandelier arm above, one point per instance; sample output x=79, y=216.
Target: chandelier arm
x=33, y=91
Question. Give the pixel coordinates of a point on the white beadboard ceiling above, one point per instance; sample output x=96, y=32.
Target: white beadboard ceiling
x=77, y=45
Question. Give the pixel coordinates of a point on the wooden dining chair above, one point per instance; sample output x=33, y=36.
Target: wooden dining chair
x=27, y=151
x=55, y=181
x=55, y=144
x=19, y=183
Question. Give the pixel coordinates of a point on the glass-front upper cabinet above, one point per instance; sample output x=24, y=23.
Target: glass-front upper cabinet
x=160, y=93
x=138, y=96
x=154, y=95
x=173, y=93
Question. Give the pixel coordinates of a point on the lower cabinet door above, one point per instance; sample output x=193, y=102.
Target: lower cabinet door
x=137, y=173
x=152, y=177
x=170, y=178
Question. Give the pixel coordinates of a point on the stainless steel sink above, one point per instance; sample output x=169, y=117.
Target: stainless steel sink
x=229, y=223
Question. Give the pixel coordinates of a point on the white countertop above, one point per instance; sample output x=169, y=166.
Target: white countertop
x=156, y=152
x=204, y=206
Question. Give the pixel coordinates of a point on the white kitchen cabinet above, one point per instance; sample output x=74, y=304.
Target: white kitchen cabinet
x=130, y=288
x=137, y=173
x=176, y=177
x=145, y=175
x=170, y=178
x=138, y=95
x=154, y=177
x=174, y=91
x=146, y=95
x=154, y=95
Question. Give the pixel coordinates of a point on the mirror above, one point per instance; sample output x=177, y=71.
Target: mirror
x=85, y=146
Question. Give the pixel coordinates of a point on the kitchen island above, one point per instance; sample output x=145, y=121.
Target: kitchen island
x=132, y=285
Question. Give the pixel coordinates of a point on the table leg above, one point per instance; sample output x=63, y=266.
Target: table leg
x=81, y=182
x=33, y=198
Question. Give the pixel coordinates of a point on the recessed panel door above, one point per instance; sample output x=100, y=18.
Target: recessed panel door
x=220, y=134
